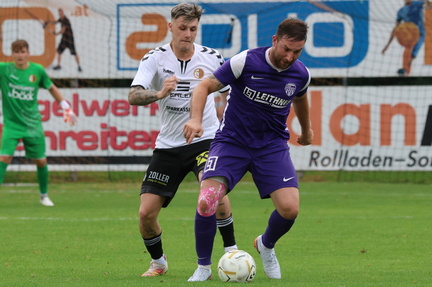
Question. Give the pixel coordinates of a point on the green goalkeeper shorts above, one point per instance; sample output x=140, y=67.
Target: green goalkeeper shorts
x=34, y=145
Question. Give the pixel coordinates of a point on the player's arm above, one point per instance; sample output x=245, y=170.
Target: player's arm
x=68, y=115
x=140, y=97
x=62, y=31
x=392, y=35
x=301, y=108
x=220, y=103
x=193, y=127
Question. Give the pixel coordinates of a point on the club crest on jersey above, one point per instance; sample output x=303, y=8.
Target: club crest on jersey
x=290, y=89
x=32, y=78
x=198, y=73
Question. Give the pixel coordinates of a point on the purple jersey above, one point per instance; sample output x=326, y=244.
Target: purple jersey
x=260, y=98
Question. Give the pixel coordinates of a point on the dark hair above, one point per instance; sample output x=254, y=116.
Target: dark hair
x=292, y=28
x=19, y=44
x=188, y=11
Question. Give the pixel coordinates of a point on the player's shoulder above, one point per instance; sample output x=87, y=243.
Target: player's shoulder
x=257, y=51
x=156, y=53
x=5, y=64
x=300, y=65
x=4, y=67
x=36, y=67
x=301, y=68
x=208, y=52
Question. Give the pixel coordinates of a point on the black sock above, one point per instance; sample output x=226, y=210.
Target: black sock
x=154, y=246
x=226, y=229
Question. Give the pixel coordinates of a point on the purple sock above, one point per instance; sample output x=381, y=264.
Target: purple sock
x=277, y=227
x=205, y=231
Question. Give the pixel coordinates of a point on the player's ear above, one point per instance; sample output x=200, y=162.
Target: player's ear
x=169, y=26
x=274, y=40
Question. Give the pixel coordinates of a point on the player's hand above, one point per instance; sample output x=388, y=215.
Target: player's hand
x=170, y=85
x=306, y=138
x=192, y=129
x=69, y=117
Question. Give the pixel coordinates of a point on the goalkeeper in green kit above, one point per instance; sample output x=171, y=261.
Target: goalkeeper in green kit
x=19, y=82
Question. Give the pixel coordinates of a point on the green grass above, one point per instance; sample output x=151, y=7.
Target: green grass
x=347, y=234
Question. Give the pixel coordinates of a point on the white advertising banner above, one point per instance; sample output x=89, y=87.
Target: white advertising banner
x=367, y=128
x=384, y=129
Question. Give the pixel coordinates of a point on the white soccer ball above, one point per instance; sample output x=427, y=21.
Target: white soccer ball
x=236, y=266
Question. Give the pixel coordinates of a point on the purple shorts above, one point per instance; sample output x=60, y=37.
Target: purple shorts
x=271, y=167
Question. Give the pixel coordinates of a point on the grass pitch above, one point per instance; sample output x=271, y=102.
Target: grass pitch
x=347, y=234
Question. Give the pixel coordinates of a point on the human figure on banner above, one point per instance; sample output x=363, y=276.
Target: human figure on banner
x=67, y=40
x=19, y=83
x=409, y=31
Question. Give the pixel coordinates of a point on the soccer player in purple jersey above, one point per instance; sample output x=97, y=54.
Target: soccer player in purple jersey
x=253, y=137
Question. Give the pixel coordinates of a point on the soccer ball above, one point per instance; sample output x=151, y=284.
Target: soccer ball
x=407, y=34
x=236, y=266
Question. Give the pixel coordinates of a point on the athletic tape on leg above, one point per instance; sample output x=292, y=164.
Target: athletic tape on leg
x=210, y=198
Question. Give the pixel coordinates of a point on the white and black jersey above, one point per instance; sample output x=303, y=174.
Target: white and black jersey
x=161, y=63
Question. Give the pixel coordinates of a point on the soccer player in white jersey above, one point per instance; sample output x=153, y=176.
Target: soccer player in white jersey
x=265, y=82
x=168, y=75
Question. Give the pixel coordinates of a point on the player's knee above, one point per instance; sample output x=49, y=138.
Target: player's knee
x=223, y=209
x=208, y=200
x=204, y=208
x=289, y=212
x=146, y=215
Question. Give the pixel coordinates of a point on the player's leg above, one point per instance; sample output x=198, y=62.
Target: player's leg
x=8, y=146
x=5, y=160
x=406, y=62
x=43, y=178
x=35, y=149
x=225, y=224
x=163, y=177
x=287, y=203
x=411, y=53
x=211, y=192
x=220, y=176
x=74, y=53
x=275, y=177
x=151, y=232
x=224, y=218
x=61, y=47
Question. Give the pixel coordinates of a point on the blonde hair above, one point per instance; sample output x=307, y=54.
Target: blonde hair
x=188, y=11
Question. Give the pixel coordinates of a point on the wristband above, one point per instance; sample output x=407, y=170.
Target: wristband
x=64, y=105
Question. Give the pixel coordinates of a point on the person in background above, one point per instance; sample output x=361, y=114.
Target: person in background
x=168, y=75
x=19, y=83
x=67, y=40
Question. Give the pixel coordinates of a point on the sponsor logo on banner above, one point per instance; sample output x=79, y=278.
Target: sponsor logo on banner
x=232, y=27
x=381, y=133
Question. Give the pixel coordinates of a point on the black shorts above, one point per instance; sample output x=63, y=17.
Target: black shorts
x=66, y=44
x=168, y=168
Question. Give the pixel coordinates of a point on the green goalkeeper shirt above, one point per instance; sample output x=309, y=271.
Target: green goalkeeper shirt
x=19, y=89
